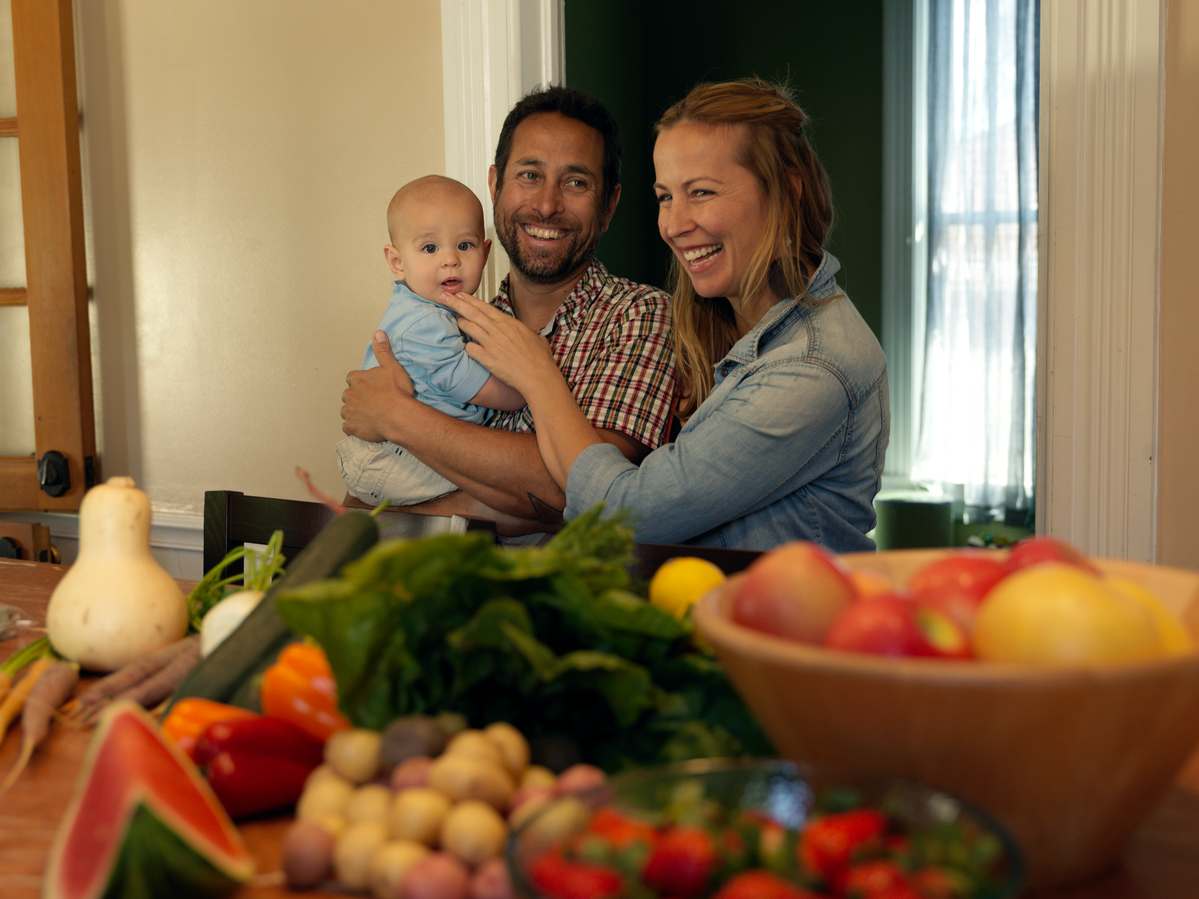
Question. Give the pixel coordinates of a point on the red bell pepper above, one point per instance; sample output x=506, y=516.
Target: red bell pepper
x=248, y=784
x=257, y=765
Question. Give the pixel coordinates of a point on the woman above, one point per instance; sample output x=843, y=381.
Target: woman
x=783, y=387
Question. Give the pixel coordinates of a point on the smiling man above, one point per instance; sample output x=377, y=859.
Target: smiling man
x=555, y=185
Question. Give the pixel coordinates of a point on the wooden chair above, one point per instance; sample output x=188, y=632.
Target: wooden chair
x=232, y=519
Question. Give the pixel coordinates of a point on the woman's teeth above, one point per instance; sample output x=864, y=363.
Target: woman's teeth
x=698, y=253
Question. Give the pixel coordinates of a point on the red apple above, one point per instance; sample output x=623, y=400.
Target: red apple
x=869, y=583
x=894, y=625
x=882, y=625
x=959, y=604
x=794, y=591
x=1034, y=550
x=972, y=573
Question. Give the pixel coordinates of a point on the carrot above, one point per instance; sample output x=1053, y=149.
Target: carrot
x=15, y=700
x=53, y=687
x=89, y=703
x=152, y=690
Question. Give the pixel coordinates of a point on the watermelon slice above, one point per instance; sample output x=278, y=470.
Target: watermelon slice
x=143, y=821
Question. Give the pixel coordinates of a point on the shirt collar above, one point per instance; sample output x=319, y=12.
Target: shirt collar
x=821, y=286
x=571, y=311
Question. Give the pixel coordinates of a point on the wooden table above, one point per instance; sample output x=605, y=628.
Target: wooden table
x=1162, y=861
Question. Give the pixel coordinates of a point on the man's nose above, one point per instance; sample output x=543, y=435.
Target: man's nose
x=548, y=199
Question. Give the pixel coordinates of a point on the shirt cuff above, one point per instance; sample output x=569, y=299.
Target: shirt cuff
x=591, y=476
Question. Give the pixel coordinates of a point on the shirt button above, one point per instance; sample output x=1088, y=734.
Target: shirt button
x=724, y=371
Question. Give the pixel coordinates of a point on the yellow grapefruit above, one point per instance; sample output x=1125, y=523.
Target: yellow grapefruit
x=1059, y=614
x=1173, y=634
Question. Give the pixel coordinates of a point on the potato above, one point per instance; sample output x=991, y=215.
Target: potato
x=436, y=876
x=409, y=736
x=417, y=813
x=465, y=777
x=578, y=778
x=474, y=743
x=327, y=795
x=452, y=722
x=538, y=775
x=473, y=832
x=353, y=851
x=354, y=753
x=390, y=864
x=369, y=802
x=413, y=772
x=491, y=881
x=513, y=747
x=306, y=854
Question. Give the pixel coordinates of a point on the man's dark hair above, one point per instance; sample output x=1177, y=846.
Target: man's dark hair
x=573, y=104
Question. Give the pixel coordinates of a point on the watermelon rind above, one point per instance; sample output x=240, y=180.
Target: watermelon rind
x=120, y=839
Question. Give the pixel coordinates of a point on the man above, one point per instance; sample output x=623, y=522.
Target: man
x=554, y=187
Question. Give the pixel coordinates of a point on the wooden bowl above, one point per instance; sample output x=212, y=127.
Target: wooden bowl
x=1069, y=760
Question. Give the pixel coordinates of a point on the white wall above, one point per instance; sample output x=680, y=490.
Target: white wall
x=239, y=156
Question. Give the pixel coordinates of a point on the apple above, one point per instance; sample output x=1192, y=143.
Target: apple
x=1035, y=550
x=881, y=625
x=795, y=591
x=869, y=583
x=894, y=625
x=971, y=573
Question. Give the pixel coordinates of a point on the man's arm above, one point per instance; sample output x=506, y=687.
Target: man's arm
x=501, y=469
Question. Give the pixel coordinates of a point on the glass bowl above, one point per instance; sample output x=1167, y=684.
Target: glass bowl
x=747, y=796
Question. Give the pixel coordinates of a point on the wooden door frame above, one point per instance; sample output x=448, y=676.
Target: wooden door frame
x=47, y=127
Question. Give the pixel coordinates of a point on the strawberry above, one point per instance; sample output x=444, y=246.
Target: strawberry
x=759, y=883
x=830, y=843
x=563, y=878
x=682, y=862
x=619, y=831
x=873, y=878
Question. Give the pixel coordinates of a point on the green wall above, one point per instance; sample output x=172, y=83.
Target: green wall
x=639, y=57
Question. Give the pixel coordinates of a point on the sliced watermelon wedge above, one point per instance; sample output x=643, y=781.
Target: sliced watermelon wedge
x=143, y=822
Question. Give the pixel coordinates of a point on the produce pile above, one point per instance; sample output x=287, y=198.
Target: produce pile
x=549, y=639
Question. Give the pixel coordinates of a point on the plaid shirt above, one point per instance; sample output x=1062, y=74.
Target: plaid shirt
x=612, y=341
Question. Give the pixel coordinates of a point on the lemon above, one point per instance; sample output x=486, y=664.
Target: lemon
x=679, y=582
x=1170, y=629
x=1054, y=613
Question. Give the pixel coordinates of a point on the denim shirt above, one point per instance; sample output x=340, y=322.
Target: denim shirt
x=789, y=445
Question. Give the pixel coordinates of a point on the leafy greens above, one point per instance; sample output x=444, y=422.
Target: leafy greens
x=550, y=639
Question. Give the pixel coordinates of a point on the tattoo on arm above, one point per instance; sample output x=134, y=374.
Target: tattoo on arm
x=543, y=511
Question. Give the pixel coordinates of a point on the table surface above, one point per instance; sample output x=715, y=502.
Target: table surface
x=1162, y=862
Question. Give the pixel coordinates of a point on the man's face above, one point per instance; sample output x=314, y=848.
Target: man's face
x=548, y=215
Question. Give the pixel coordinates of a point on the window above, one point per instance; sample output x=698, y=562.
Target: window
x=960, y=258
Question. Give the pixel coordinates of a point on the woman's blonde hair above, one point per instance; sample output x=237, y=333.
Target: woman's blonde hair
x=775, y=149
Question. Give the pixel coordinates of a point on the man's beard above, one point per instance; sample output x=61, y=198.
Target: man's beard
x=544, y=269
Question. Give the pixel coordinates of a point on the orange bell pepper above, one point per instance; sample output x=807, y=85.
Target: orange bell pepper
x=300, y=689
x=189, y=717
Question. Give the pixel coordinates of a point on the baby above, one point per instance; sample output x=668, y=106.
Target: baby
x=437, y=245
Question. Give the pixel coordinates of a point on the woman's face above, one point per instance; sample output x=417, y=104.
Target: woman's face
x=711, y=209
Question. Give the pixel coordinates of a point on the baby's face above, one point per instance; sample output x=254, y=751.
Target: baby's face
x=441, y=246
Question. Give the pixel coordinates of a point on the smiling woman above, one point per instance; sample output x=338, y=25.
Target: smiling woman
x=783, y=385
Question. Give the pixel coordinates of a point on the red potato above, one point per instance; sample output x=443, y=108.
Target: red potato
x=491, y=881
x=577, y=778
x=413, y=772
x=795, y=591
x=307, y=854
x=436, y=876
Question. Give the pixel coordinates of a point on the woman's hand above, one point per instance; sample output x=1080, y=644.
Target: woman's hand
x=373, y=394
x=509, y=349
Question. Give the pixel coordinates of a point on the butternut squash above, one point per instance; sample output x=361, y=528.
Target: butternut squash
x=115, y=604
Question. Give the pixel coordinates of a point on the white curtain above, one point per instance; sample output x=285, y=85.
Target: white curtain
x=977, y=415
